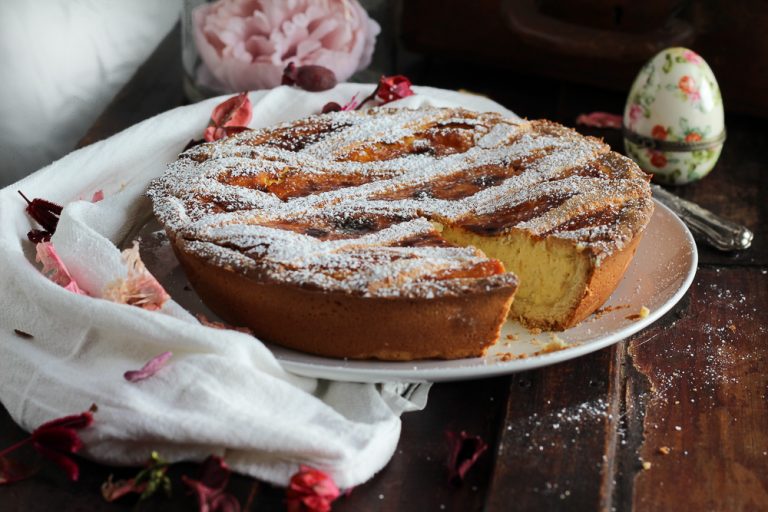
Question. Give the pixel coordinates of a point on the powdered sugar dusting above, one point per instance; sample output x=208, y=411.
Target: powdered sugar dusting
x=252, y=201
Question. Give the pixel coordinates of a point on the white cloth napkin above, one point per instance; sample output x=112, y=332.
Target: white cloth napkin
x=222, y=392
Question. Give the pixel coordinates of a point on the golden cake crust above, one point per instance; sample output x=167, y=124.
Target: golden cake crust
x=336, y=324
x=321, y=234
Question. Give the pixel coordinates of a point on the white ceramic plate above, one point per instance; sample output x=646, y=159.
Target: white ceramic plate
x=657, y=278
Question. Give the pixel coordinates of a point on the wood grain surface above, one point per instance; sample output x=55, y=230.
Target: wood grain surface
x=574, y=436
x=707, y=402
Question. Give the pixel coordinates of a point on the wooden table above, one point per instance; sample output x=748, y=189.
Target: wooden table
x=568, y=437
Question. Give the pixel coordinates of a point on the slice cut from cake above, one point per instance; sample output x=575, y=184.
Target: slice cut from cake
x=558, y=241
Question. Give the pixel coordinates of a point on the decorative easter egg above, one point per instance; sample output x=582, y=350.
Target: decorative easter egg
x=673, y=119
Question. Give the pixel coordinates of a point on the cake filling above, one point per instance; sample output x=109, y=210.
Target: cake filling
x=552, y=273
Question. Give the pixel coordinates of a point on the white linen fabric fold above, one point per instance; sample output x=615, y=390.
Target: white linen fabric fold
x=223, y=392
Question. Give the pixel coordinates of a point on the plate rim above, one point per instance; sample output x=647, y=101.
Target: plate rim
x=374, y=375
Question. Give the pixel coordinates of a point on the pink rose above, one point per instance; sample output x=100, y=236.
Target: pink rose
x=246, y=44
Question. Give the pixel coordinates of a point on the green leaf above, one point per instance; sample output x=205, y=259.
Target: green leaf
x=667, y=67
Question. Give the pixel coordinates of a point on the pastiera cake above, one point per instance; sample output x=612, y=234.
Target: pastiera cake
x=398, y=234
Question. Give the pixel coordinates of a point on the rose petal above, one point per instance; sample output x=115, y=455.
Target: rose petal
x=44, y=212
x=60, y=439
x=63, y=461
x=225, y=502
x=310, y=490
x=259, y=45
x=236, y=111
x=216, y=133
x=139, y=288
x=38, y=235
x=149, y=369
x=464, y=451
x=600, y=120
x=54, y=268
x=214, y=472
x=351, y=104
x=393, y=88
x=112, y=491
x=202, y=493
x=75, y=421
x=210, y=488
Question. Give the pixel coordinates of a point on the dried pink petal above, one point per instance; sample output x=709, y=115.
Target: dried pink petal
x=57, y=438
x=600, y=120
x=229, y=117
x=332, y=106
x=214, y=473
x=351, y=104
x=215, y=133
x=54, y=269
x=464, y=450
x=149, y=369
x=393, y=88
x=236, y=111
x=44, y=212
x=112, y=491
x=38, y=235
x=53, y=440
x=75, y=421
x=66, y=463
x=209, y=489
x=140, y=288
x=389, y=88
x=310, y=490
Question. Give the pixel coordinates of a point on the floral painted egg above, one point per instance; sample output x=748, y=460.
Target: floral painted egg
x=673, y=120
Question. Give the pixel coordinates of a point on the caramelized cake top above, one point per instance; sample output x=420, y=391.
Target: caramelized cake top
x=347, y=201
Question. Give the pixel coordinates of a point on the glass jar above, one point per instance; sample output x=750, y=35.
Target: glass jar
x=195, y=86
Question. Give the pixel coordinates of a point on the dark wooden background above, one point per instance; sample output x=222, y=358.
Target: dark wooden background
x=568, y=437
